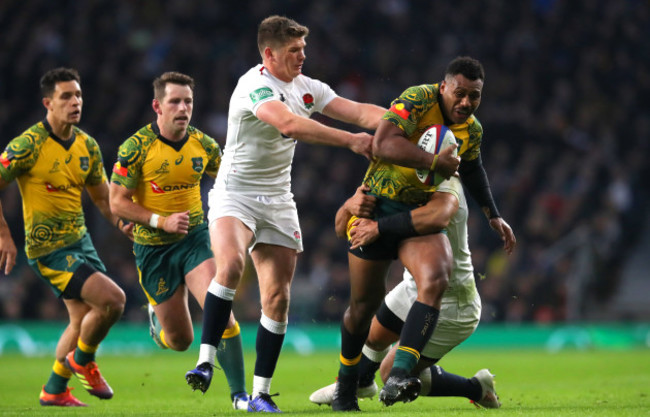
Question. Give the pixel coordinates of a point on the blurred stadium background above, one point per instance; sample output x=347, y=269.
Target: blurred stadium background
x=565, y=112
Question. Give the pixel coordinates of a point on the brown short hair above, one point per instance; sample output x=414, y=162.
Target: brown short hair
x=57, y=75
x=275, y=31
x=173, y=77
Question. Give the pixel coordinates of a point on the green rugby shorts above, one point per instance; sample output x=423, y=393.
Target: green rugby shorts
x=162, y=268
x=66, y=269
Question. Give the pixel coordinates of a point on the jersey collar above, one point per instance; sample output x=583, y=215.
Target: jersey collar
x=65, y=143
x=177, y=145
x=287, y=84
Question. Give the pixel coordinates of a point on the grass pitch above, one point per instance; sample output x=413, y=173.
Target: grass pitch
x=529, y=383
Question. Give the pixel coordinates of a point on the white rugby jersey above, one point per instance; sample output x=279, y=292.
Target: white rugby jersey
x=461, y=281
x=257, y=157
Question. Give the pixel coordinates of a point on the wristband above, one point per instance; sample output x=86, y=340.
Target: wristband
x=433, y=164
x=153, y=221
x=398, y=225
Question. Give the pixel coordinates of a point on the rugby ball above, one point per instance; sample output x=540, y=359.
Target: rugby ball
x=433, y=140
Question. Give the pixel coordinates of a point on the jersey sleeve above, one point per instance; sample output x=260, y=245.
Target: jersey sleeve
x=475, y=131
x=323, y=95
x=214, y=153
x=406, y=110
x=258, y=94
x=126, y=171
x=97, y=173
x=18, y=158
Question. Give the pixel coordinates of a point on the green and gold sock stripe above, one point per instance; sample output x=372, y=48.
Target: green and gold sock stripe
x=86, y=348
x=61, y=370
x=412, y=351
x=349, y=362
x=232, y=332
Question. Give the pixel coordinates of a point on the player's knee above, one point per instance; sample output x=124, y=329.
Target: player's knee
x=233, y=269
x=117, y=302
x=113, y=304
x=434, y=286
x=276, y=301
x=179, y=341
x=362, y=310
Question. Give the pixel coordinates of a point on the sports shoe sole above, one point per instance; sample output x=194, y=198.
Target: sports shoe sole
x=196, y=382
x=489, y=397
x=326, y=394
x=406, y=392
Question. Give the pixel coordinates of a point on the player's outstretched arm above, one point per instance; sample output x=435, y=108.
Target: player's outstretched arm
x=278, y=115
x=364, y=115
x=430, y=218
x=122, y=205
x=436, y=214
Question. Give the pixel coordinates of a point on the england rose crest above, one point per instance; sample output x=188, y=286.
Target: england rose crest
x=308, y=99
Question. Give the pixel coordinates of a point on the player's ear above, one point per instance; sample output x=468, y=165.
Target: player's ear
x=155, y=104
x=268, y=53
x=47, y=101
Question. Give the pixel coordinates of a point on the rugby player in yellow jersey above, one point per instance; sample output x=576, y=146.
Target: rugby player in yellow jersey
x=428, y=256
x=53, y=161
x=156, y=184
x=460, y=310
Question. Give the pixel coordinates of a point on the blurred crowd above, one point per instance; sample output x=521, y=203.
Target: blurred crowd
x=566, y=126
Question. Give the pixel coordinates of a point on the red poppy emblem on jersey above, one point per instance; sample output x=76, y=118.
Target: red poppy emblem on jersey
x=296, y=235
x=155, y=188
x=5, y=159
x=400, y=110
x=120, y=170
x=308, y=99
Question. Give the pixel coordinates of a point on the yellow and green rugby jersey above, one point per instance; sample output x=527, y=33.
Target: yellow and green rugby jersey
x=166, y=176
x=414, y=111
x=51, y=175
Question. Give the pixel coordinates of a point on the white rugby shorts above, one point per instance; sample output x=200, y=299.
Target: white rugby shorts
x=272, y=219
x=457, y=320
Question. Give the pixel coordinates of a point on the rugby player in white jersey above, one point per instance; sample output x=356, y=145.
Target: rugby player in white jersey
x=251, y=204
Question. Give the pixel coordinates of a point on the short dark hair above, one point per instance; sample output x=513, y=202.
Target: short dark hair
x=469, y=67
x=276, y=31
x=173, y=77
x=57, y=75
